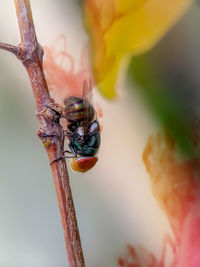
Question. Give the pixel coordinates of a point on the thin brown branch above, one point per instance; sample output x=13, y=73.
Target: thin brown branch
x=25, y=22
x=50, y=131
x=10, y=48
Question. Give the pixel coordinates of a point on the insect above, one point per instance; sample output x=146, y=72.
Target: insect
x=83, y=131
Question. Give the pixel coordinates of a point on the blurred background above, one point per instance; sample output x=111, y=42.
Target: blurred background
x=113, y=201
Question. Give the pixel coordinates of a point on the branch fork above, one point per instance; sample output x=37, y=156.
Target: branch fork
x=26, y=53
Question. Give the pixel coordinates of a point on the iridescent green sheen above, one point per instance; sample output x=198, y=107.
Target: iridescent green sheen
x=90, y=146
x=76, y=109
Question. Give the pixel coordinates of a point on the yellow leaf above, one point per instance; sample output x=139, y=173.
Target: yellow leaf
x=121, y=28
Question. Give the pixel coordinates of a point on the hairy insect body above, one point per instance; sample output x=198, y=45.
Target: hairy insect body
x=83, y=133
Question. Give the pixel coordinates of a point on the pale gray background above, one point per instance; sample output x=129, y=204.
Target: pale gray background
x=114, y=202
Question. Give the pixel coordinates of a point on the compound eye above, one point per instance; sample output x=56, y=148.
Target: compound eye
x=94, y=128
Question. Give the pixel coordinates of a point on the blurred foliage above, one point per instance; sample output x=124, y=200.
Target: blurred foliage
x=121, y=30
x=164, y=102
x=118, y=28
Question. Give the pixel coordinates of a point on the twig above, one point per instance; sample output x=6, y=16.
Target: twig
x=50, y=131
x=8, y=47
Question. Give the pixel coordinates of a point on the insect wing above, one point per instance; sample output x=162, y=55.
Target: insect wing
x=87, y=96
x=89, y=112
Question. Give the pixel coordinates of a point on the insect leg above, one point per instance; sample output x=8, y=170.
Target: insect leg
x=73, y=151
x=57, y=112
x=47, y=135
x=67, y=133
x=67, y=151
